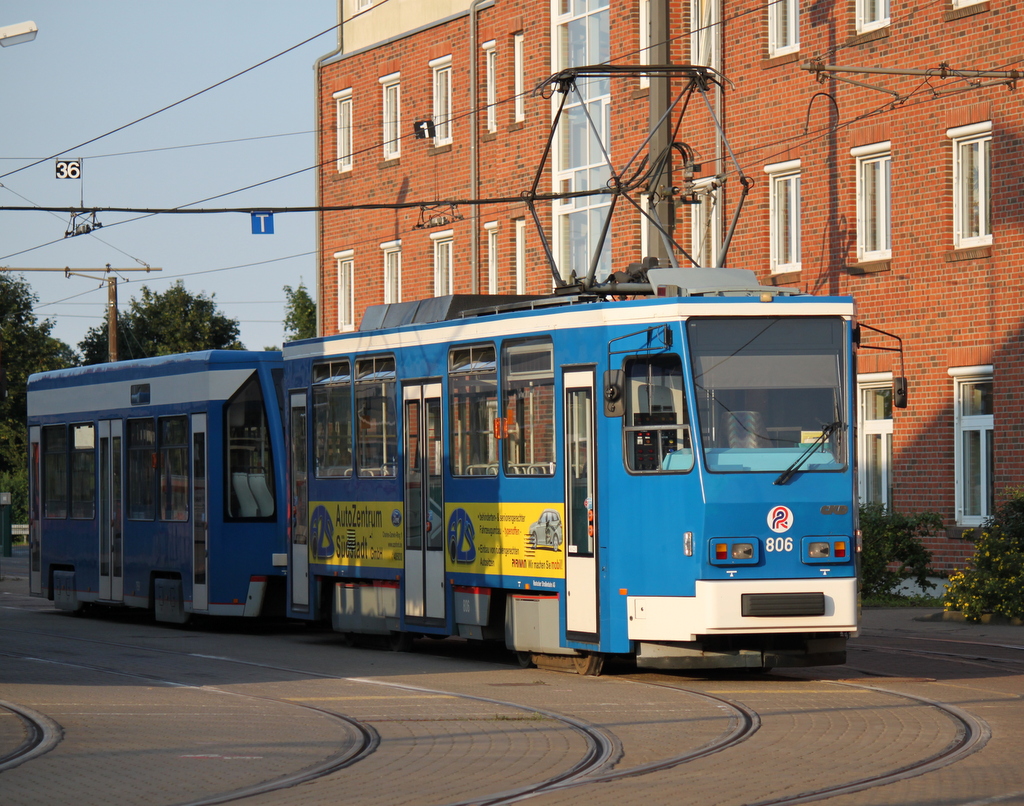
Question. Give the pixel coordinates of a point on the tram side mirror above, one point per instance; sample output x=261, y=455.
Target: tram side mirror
x=614, y=400
x=899, y=393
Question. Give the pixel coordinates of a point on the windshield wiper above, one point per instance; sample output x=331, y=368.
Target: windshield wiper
x=819, y=440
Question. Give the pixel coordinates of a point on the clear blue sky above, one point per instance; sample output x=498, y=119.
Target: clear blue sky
x=99, y=65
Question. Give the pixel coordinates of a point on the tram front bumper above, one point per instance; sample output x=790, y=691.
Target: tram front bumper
x=724, y=608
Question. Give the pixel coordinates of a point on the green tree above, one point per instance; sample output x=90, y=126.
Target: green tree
x=300, y=314
x=175, y=321
x=26, y=346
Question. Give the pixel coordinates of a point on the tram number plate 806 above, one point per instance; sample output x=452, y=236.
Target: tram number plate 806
x=779, y=544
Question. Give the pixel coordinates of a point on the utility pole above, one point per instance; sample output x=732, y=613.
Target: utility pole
x=110, y=279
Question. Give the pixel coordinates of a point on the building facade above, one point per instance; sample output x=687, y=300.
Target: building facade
x=873, y=148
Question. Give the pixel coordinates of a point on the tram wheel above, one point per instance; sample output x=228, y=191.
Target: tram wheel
x=590, y=665
x=400, y=641
x=525, y=659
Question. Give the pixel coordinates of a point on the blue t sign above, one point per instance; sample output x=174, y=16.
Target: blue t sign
x=262, y=223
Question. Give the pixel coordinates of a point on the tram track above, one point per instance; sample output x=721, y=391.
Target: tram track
x=603, y=748
x=42, y=734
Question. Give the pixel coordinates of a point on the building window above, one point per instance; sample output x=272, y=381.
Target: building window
x=875, y=437
x=963, y=3
x=491, y=228
x=442, y=100
x=706, y=223
x=872, y=15
x=874, y=183
x=491, y=85
x=582, y=36
x=363, y=4
x=343, y=103
x=520, y=255
x=392, y=271
x=392, y=116
x=783, y=27
x=518, y=78
x=704, y=33
x=442, y=263
x=784, y=215
x=974, y=426
x=346, y=276
x=972, y=146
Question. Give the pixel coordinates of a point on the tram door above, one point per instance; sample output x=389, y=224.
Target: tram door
x=35, y=513
x=111, y=556
x=580, y=504
x=299, y=505
x=200, y=516
x=424, y=501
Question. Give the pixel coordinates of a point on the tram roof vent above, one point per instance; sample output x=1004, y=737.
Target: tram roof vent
x=435, y=309
x=710, y=282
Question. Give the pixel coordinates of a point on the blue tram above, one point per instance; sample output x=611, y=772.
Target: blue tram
x=153, y=483
x=669, y=478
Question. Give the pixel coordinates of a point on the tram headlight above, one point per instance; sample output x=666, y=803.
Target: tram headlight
x=826, y=549
x=742, y=551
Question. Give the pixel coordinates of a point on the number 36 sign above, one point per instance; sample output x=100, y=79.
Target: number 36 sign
x=69, y=169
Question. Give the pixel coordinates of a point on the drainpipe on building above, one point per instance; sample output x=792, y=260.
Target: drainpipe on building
x=661, y=139
x=474, y=143
x=317, y=66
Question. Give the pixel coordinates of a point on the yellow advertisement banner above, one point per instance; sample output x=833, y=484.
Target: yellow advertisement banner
x=366, y=533
x=506, y=538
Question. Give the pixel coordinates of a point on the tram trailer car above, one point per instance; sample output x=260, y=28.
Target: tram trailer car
x=666, y=478
x=152, y=484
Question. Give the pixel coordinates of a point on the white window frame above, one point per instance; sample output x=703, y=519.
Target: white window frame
x=443, y=260
x=878, y=430
x=392, y=254
x=491, y=229
x=490, y=50
x=363, y=4
x=783, y=27
x=706, y=223
x=984, y=426
x=345, y=261
x=966, y=3
x=874, y=214
x=872, y=15
x=343, y=112
x=442, y=83
x=520, y=255
x=391, y=115
x=784, y=232
x=519, y=77
x=705, y=33
x=645, y=42
x=972, y=217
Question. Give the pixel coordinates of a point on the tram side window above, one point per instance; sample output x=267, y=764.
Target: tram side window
x=83, y=471
x=142, y=470
x=173, y=469
x=657, y=422
x=249, y=472
x=332, y=419
x=55, y=471
x=473, y=385
x=376, y=425
x=528, y=386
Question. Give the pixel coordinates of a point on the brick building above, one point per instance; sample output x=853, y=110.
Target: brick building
x=879, y=139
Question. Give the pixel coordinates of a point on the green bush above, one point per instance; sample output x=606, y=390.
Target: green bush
x=993, y=583
x=891, y=539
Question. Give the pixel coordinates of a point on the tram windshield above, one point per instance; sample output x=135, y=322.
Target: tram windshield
x=770, y=393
